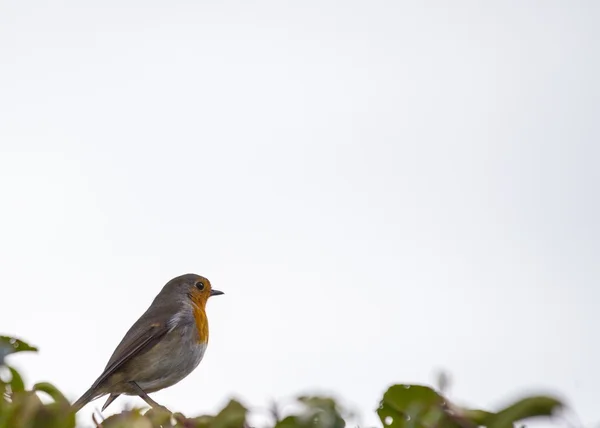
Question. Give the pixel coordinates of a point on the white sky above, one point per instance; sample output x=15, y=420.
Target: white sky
x=382, y=189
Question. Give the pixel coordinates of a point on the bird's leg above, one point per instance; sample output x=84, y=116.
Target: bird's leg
x=146, y=398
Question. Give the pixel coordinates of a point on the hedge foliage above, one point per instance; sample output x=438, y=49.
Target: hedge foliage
x=402, y=406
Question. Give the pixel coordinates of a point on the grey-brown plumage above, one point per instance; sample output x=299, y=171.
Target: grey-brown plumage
x=162, y=347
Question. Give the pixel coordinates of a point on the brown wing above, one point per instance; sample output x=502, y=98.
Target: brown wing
x=135, y=342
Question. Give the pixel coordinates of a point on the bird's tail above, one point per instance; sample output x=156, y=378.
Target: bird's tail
x=89, y=395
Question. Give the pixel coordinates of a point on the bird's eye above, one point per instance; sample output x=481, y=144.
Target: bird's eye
x=200, y=285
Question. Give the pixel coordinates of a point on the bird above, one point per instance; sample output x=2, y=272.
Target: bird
x=161, y=348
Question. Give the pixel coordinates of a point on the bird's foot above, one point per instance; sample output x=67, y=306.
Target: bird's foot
x=142, y=394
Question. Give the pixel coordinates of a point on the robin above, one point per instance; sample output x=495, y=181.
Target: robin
x=163, y=346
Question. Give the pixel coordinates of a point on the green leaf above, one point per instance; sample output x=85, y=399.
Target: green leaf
x=526, y=408
x=401, y=403
x=6, y=411
x=127, y=419
x=198, y=422
x=28, y=411
x=10, y=345
x=25, y=408
x=233, y=415
x=52, y=391
x=159, y=417
x=16, y=381
x=318, y=412
x=289, y=422
x=321, y=412
x=414, y=406
x=53, y=416
x=477, y=417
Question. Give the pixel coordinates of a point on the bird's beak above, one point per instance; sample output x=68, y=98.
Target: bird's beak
x=215, y=293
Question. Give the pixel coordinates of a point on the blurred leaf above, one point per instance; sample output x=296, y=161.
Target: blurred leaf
x=6, y=411
x=16, y=381
x=477, y=417
x=289, y=422
x=159, y=417
x=25, y=405
x=204, y=421
x=233, y=415
x=27, y=410
x=414, y=406
x=127, y=419
x=526, y=408
x=10, y=345
x=401, y=403
x=52, y=391
x=319, y=412
x=402, y=406
x=55, y=416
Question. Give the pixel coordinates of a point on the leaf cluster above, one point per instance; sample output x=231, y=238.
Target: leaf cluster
x=402, y=406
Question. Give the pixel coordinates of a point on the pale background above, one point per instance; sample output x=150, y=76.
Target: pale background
x=382, y=189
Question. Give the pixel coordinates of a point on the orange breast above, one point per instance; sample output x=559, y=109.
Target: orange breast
x=201, y=321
